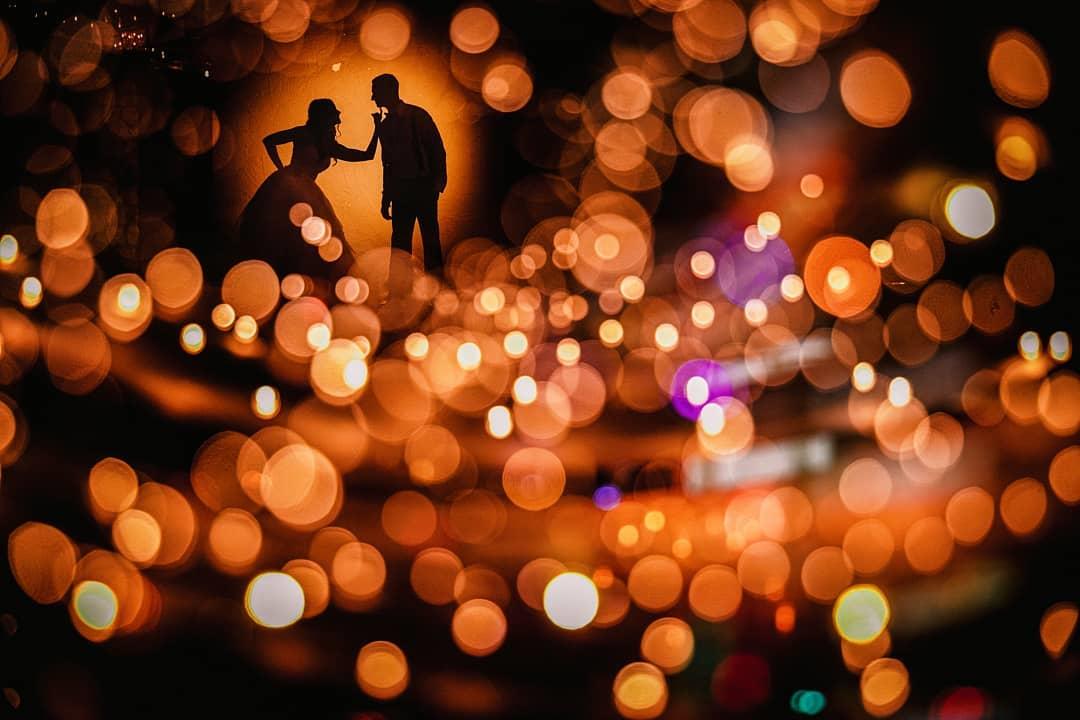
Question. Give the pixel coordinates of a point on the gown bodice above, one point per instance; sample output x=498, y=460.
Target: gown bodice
x=307, y=159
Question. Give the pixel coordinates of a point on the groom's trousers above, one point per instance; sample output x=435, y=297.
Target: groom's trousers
x=416, y=200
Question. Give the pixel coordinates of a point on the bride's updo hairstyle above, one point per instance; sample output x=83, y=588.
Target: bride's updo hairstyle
x=323, y=118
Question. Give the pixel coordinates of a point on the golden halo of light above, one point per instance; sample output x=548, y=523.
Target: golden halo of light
x=385, y=33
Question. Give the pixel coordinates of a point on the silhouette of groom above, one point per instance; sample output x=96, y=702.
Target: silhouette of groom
x=414, y=171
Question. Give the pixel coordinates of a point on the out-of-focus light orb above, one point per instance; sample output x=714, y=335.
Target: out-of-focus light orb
x=606, y=246
x=899, y=392
x=478, y=627
x=632, y=288
x=863, y=377
x=30, y=293
x=970, y=211
x=682, y=548
x=792, y=288
x=702, y=314
x=192, y=338
x=524, y=390
x=95, y=604
x=292, y=286
x=1056, y=628
x=712, y=420
x=697, y=390
x=137, y=535
x=812, y=186
x=1060, y=346
x=318, y=336
x=223, y=316
x=702, y=264
x=640, y=691
x=265, y=402
x=611, y=332
x=756, y=312
x=884, y=686
x=839, y=279
x=62, y=219
x=1018, y=69
x=875, y=89
x=128, y=299
x=626, y=94
x=768, y=224
x=474, y=30
x=469, y=356
x=274, y=599
x=491, y=300
x=881, y=253
x=1030, y=345
x=499, y=422
x=9, y=249
x=784, y=618
x=807, y=702
x=515, y=344
x=666, y=336
x=1016, y=158
x=669, y=643
x=355, y=374
x=507, y=87
x=245, y=329
x=349, y=290
x=607, y=497
x=300, y=212
x=315, y=231
x=1023, y=506
x=384, y=34
x=571, y=600
x=754, y=240
x=654, y=521
x=381, y=670
x=417, y=346
x=568, y=352
x=628, y=535
x=861, y=614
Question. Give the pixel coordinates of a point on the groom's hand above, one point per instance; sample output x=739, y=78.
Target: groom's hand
x=386, y=208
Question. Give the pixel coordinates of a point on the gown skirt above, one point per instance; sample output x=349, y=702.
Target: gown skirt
x=265, y=231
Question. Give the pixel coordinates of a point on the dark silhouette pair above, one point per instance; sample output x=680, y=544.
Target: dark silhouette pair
x=414, y=175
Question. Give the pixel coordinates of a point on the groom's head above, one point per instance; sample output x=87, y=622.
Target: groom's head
x=384, y=90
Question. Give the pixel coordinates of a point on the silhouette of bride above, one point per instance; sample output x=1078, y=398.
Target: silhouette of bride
x=272, y=226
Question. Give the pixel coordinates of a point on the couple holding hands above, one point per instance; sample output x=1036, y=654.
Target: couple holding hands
x=414, y=175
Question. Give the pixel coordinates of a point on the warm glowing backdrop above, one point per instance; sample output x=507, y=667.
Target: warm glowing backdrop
x=267, y=103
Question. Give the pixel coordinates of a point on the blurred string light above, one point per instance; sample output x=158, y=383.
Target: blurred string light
x=571, y=600
x=30, y=292
x=861, y=614
x=970, y=211
x=807, y=702
x=274, y=599
x=1060, y=346
x=9, y=250
x=1030, y=345
x=265, y=402
x=192, y=338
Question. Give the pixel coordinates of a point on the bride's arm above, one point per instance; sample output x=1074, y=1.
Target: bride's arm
x=271, y=141
x=351, y=154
